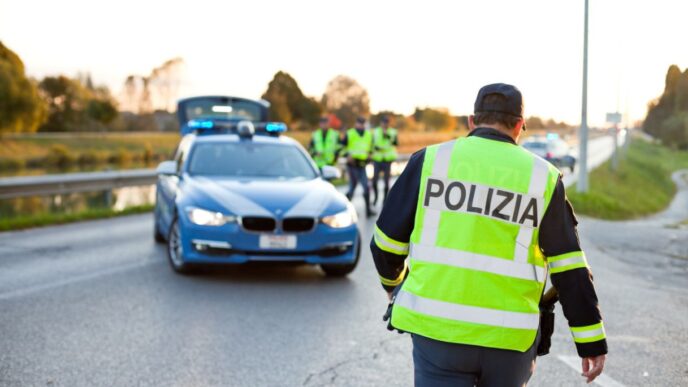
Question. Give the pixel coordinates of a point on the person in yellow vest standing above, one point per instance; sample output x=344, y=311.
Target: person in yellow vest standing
x=357, y=144
x=324, y=146
x=482, y=222
x=385, y=141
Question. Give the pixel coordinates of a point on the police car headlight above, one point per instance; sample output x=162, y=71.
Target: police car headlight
x=203, y=217
x=341, y=219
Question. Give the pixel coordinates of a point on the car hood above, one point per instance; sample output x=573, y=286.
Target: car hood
x=269, y=197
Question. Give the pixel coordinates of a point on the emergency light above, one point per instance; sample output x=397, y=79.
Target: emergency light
x=275, y=127
x=209, y=127
x=200, y=124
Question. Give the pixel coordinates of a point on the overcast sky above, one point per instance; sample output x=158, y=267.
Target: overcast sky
x=406, y=53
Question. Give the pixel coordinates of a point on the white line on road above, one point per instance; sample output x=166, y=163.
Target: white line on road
x=602, y=380
x=79, y=278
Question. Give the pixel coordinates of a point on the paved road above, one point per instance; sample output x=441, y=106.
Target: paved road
x=95, y=303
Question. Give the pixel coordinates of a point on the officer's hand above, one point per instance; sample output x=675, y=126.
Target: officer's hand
x=593, y=366
x=389, y=296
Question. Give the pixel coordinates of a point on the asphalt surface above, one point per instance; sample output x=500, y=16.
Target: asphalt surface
x=95, y=303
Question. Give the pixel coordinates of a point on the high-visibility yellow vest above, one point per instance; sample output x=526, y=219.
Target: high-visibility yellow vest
x=383, y=142
x=325, y=146
x=359, y=146
x=476, y=271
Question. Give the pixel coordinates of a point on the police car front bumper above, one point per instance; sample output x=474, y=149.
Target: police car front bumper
x=230, y=244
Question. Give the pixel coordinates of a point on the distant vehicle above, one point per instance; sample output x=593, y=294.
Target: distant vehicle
x=238, y=191
x=552, y=149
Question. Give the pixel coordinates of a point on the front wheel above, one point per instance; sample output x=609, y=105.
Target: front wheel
x=174, y=250
x=342, y=269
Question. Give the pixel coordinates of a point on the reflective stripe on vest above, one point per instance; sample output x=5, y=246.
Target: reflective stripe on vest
x=476, y=271
x=359, y=146
x=384, y=147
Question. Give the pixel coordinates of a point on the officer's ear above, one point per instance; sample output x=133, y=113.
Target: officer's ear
x=471, y=124
x=519, y=128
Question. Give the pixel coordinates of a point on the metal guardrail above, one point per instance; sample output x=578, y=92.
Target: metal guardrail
x=66, y=183
x=14, y=187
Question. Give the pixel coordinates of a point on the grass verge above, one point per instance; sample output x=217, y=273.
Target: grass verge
x=23, y=222
x=641, y=186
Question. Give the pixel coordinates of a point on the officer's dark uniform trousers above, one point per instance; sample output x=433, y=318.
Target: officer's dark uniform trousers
x=442, y=364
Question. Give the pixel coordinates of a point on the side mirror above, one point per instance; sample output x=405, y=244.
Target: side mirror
x=167, y=168
x=330, y=173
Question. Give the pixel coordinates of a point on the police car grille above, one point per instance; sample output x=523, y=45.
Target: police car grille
x=258, y=223
x=298, y=224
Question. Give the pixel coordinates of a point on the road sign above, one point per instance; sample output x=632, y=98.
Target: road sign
x=614, y=118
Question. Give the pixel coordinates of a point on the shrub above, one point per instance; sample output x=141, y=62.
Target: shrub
x=59, y=156
x=121, y=157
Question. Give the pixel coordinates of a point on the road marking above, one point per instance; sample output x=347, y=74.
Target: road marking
x=602, y=380
x=79, y=278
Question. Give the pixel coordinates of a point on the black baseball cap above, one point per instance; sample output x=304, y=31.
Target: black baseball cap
x=360, y=120
x=324, y=119
x=384, y=119
x=513, y=105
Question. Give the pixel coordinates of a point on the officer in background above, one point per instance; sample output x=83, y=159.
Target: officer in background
x=324, y=145
x=358, y=147
x=482, y=221
x=384, y=153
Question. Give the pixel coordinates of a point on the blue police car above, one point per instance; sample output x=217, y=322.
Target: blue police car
x=238, y=191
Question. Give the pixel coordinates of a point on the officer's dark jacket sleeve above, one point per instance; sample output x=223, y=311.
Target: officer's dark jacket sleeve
x=344, y=142
x=311, y=147
x=392, y=232
x=571, y=274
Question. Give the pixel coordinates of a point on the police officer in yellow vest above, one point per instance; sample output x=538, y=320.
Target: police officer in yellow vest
x=385, y=152
x=482, y=222
x=358, y=146
x=324, y=146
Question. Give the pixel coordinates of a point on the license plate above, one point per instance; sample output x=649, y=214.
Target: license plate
x=269, y=241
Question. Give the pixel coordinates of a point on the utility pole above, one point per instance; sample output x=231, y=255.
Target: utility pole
x=583, y=132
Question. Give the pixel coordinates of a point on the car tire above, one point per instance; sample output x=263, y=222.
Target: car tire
x=339, y=269
x=174, y=250
x=157, y=235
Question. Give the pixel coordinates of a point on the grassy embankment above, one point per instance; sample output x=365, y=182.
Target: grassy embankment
x=641, y=186
x=46, y=219
x=56, y=153
x=70, y=152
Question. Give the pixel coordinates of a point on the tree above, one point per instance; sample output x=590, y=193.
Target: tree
x=435, y=119
x=21, y=108
x=347, y=99
x=667, y=117
x=288, y=104
x=156, y=91
x=74, y=107
x=535, y=122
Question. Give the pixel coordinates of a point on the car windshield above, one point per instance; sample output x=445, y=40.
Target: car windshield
x=210, y=109
x=249, y=159
x=535, y=145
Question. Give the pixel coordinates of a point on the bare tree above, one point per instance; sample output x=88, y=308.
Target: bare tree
x=158, y=90
x=347, y=99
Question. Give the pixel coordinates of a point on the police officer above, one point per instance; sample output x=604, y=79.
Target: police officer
x=324, y=145
x=482, y=222
x=384, y=153
x=358, y=147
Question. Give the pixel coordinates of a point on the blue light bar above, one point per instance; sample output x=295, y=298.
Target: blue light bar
x=552, y=136
x=276, y=127
x=200, y=124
